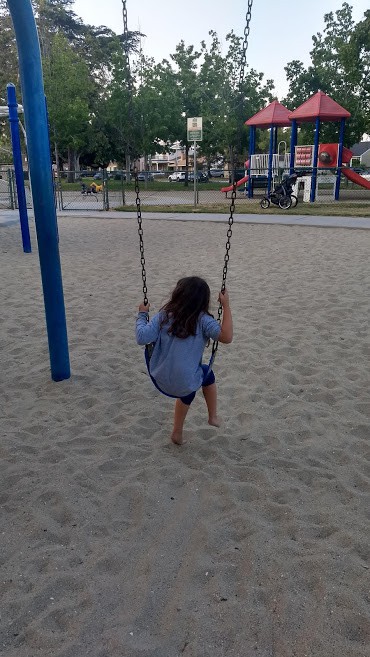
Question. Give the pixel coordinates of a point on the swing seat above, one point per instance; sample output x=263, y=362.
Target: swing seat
x=148, y=353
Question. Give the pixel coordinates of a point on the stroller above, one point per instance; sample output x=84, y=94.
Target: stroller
x=282, y=194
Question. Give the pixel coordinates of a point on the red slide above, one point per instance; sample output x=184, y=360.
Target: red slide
x=356, y=178
x=240, y=182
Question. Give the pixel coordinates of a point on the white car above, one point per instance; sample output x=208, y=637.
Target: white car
x=177, y=176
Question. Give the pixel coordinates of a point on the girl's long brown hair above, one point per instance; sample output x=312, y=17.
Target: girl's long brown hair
x=189, y=299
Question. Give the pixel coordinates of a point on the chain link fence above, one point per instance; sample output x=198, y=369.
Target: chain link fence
x=75, y=191
x=167, y=189
x=8, y=189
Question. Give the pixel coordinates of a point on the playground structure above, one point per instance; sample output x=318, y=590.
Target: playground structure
x=322, y=164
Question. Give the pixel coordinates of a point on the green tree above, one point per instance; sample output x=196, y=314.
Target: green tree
x=360, y=42
x=96, y=44
x=97, y=115
x=117, y=111
x=157, y=106
x=9, y=58
x=215, y=101
x=68, y=89
x=200, y=83
x=339, y=67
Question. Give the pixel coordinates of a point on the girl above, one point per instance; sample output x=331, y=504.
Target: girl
x=180, y=332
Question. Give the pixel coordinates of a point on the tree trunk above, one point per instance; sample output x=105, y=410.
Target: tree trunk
x=232, y=164
x=71, y=165
x=128, y=162
x=56, y=159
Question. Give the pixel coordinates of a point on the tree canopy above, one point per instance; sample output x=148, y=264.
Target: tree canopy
x=97, y=115
x=340, y=66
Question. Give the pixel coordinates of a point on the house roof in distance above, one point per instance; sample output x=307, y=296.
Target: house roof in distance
x=361, y=148
x=319, y=106
x=274, y=114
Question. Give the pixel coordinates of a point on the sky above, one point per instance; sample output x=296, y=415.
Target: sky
x=281, y=30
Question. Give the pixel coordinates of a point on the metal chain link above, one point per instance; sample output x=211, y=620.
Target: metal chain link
x=125, y=32
x=141, y=238
x=130, y=83
x=233, y=194
x=247, y=29
x=137, y=188
x=229, y=233
x=239, y=102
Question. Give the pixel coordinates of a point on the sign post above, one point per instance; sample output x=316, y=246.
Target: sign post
x=195, y=133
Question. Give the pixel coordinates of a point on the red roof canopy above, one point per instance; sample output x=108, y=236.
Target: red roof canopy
x=319, y=106
x=274, y=114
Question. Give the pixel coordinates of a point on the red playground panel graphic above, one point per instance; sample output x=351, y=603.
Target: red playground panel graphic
x=303, y=156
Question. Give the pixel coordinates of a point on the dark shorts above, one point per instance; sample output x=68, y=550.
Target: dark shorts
x=208, y=380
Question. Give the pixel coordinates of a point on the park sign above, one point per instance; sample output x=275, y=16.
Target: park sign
x=195, y=129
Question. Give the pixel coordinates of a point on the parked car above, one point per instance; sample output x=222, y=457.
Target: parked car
x=216, y=173
x=362, y=171
x=145, y=175
x=201, y=177
x=98, y=176
x=119, y=175
x=176, y=176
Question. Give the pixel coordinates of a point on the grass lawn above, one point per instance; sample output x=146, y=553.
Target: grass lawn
x=335, y=209
x=155, y=185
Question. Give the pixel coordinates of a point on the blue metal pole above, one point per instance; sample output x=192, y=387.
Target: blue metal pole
x=271, y=149
x=18, y=167
x=42, y=184
x=275, y=139
x=252, y=148
x=293, y=144
x=340, y=155
x=315, y=160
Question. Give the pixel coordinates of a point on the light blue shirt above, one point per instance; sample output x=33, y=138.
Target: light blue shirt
x=176, y=363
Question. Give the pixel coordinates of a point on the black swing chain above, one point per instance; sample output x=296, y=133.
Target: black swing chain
x=127, y=57
x=233, y=193
x=229, y=235
x=137, y=188
x=141, y=239
x=247, y=29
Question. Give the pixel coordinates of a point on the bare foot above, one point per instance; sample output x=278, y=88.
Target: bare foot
x=177, y=438
x=215, y=421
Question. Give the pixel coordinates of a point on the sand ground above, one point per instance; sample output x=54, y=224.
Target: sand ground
x=250, y=540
